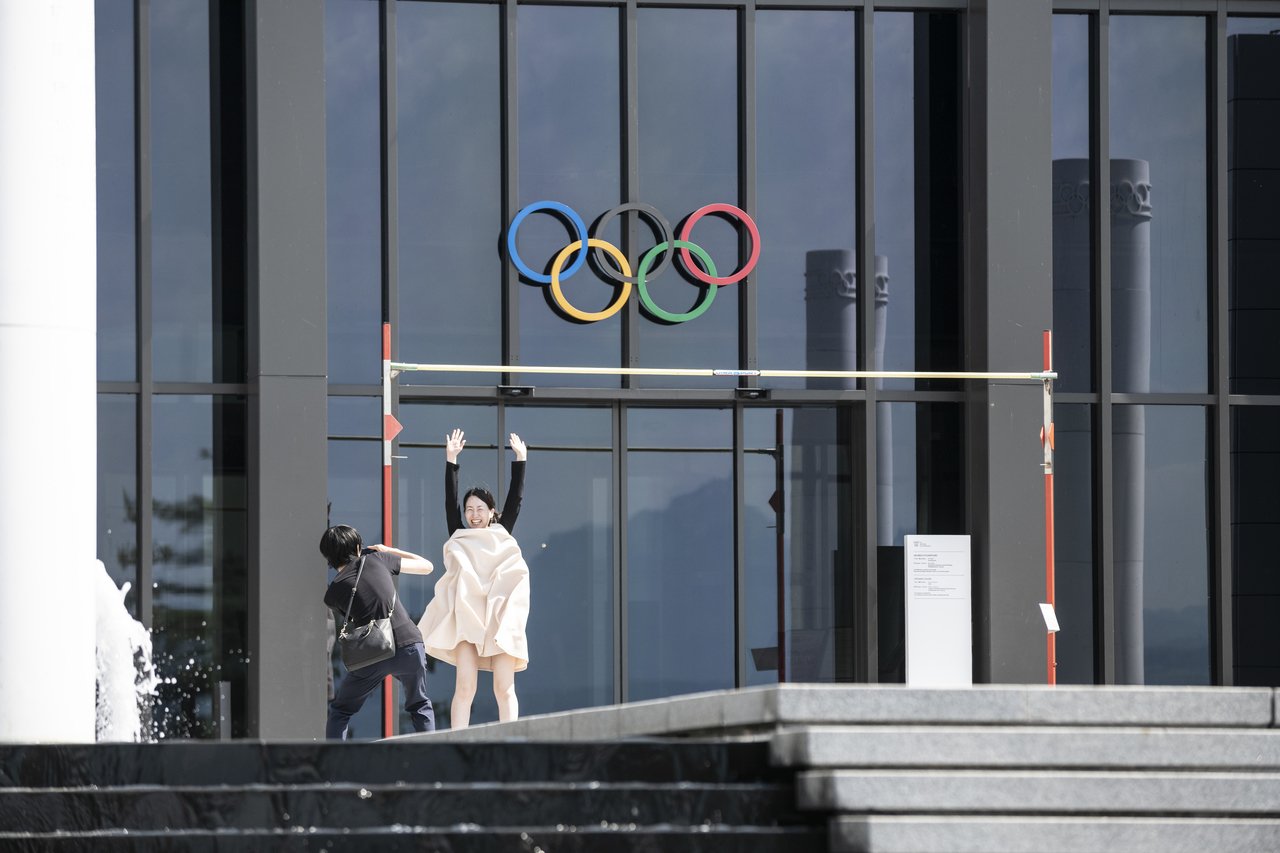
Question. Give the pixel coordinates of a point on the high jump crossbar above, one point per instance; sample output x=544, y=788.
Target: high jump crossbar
x=405, y=367
x=391, y=428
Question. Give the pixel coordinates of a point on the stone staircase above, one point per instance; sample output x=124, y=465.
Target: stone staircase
x=639, y=795
x=795, y=768
x=992, y=769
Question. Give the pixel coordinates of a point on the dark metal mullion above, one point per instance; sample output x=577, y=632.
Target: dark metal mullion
x=631, y=181
x=747, y=189
x=1104, y=496
x=510, y=184
x=389, y=175
x=746, y=322
x=388, y=167
x=620, y=622
x=502, y=433
x=865, y=568
x=739, y=550
x=1221, y=592
x=142, y=261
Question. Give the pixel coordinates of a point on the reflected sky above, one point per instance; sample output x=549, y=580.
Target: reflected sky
x=1072, y=268
x=450, y=185
x=117, y=301
x=1158, y=114
x=353, y=212
x=805, y=167
x=895, y=182
x=570, y=151
x=688, y=119
x=181, y=202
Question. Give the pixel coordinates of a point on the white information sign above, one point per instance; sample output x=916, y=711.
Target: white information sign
x=939, y=612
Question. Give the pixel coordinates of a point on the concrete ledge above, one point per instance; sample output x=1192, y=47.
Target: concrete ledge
x=1062, y=792
x=1002, y=834
x=1030, y=747
x=763, y=709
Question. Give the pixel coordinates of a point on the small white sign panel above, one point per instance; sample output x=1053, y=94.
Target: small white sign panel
x=939, y=613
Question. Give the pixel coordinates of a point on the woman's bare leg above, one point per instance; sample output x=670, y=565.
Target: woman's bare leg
x=464, y=690
x=504, y=687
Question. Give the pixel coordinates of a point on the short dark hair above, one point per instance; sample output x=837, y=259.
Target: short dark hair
x=341, y=544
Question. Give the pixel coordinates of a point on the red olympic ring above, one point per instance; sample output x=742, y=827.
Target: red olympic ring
x=741, y=215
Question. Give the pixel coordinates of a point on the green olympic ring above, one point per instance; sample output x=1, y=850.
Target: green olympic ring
x=653, y=307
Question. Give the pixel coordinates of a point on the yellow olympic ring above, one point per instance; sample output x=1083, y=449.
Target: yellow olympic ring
x=590, y=316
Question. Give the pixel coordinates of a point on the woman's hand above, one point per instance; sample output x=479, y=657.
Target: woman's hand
x=521, y=451
x=383, y=548
x=453, y=444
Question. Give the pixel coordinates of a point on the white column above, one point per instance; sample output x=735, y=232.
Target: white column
x=48, y=404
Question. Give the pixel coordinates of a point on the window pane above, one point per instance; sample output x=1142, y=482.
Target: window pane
x=569, y=152
x=1161, y=545
x=807, y=189
x=1072, y=215
x=918, y=193
x=200, y=553
x=688, y=149
x=1073, y=542
x=118, y=490
x=1253, y=122
x=566, y=533
x=184, y=337
x=353, y=199
x=356, y=416
x=798, y=545
x=680, y=605
x=1255, y=524
x=1159, y=245
x=449, y=130
x=117, y=273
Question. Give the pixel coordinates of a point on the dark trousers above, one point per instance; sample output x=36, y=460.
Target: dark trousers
x=409, y=666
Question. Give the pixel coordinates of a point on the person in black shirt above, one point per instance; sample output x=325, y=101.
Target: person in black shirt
x=344, y=550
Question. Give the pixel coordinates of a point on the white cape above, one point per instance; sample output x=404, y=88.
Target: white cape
x=483, y=598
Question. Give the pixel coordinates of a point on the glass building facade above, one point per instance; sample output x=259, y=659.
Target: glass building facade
x=699, y=533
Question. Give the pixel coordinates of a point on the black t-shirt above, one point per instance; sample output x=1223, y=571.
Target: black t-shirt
x=373, y=595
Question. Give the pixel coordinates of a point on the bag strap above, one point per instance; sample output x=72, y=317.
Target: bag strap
x=346, y=619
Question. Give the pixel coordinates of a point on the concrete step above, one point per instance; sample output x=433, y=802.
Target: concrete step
x=765, y=708
x=1031, y=747
x=245, y=762
x=438, y=839
x=312, y=808
x=1010, y=834
x=1064, y=792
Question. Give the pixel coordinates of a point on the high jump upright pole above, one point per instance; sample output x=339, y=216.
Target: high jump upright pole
x=1046, y=440
x=390, y=429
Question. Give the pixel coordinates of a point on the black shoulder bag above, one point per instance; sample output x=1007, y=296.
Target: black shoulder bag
x=369, y=643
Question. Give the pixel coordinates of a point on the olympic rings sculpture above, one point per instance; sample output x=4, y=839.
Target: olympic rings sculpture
x=704, y=270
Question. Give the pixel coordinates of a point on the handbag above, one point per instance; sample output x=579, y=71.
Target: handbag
x=369, y=643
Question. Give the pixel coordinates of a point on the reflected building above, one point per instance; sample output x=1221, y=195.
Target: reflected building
x=1130, y=207
x=820, y=543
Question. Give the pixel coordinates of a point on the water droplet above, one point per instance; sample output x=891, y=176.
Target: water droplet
x=365, y=793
